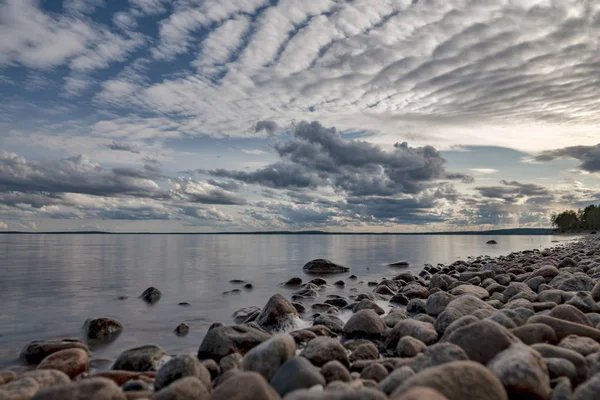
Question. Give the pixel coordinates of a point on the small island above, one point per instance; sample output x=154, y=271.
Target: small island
x=571, y=221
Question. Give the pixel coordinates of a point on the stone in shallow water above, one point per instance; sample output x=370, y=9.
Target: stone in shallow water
x=332, y=322
x=182, y=330
x=277, y=314
x=36, y=351
x=151, y=295
x=140, y=359
x=321, y=266
x=368, y=304
x=102, y=329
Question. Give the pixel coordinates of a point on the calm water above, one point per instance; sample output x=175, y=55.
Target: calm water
x=50, y=284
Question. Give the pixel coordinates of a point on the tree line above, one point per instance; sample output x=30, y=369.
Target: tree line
x=581, y=220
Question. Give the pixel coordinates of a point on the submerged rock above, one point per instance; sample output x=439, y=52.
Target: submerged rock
x=102, y=329
x=151, y=295
x=277, y=314
x=36, y=351
x=140, y=359
x=322, y=266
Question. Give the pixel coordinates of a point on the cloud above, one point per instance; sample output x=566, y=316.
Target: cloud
x=3, y=225
x=588, y=155
x=270, y=127
x=203, y=192
x=513, y=191
x=318, y=157
x=119, y=146
x=484, y=171
x=254, y=152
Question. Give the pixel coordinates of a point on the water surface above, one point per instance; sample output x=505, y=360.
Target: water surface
x=50, y=284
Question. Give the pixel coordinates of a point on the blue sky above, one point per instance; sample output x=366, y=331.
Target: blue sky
x=205, y=115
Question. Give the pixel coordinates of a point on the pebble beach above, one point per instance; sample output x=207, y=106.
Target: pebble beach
x=520, y=326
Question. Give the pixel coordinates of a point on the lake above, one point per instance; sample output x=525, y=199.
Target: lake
x=50, y=284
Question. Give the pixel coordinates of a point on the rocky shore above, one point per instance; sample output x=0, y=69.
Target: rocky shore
x=521, y=326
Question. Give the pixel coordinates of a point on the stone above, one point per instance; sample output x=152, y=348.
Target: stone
x=401, y=264
x=396, y=378
x=577, y=283
x=299, y=307
x=36, y=351
x=588, y=390
x=232, y=361
x=181, y=367
x=558, y=367
x=438, y=354
x=522, y=371
x=72, y=362
x=325, y=308
x=332, y=322
x=563, y=390
x=367, y=304
x=410, y=347
x=553, y=295
x=120, y=377
x=416, y=306
x=364, y=324
x=384, y=290
x=140, y=359
x=394, y=316
x=437, y=303
x=335, y=371
x=29, y=383
x=136, y=385
x=186, y=388
x=457, y=380
x=296, y=373
x=583, y=345
x=337, y=302
x=472, y=290
x=92, y=389
x=535, y=333
x=491, y=242
x=6, y=376
x=595, y=292
x=550, y=351
x=584, y=302
x=460, y=307
x=518, y=290
x=376, y=372
x=267, y=357
x=323, y=349
x=565, y=328
x=102, y=329
x=422, y=393
x=423, y=331
x=570, y=313
x=181, y=330
x=471, y=337
x=293, y=282
x=242, y=315
x=321, y=330
x=399, y=299
x=323, y=267
x=302, y=336
x=414, y=290
x=366, y=351
x=224, y=340
x=277, y=314
x=151, y=295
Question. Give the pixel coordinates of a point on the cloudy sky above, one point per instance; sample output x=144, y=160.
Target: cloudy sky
x=238, y=115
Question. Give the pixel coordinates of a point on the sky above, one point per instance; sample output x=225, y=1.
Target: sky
x=261, y=115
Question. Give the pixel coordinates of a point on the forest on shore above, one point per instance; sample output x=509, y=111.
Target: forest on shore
x=587, y=219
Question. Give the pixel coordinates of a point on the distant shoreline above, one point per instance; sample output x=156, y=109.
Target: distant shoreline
x=499, y=232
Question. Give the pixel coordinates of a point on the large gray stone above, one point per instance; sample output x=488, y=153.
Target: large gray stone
x=140, y=359
x=181, y=367
x=296, y=373
x=323, y=349
x=278, y=314
x=224, y=340
x=267, y=357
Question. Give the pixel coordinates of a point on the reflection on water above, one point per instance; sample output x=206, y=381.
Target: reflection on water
x=50, y=284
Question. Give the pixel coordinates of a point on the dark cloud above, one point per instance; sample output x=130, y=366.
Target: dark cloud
x=588, y=155
x=513, y=191
x=318, y=157
x=120, y=146
x=74, y=174
x=270, y=127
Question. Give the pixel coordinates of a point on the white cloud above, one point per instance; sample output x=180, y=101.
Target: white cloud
x=254, y=152
x=3, y=225
x=484, y=171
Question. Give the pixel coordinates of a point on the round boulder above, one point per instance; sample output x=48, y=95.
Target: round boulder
x=72, y=362
x=140, y=359
x=323, y=349
x=151, y=295
x=277, y=314
x=181, y=367
x=323, y=267
x=364, y=324
x=267, y=357
x=224, y=340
